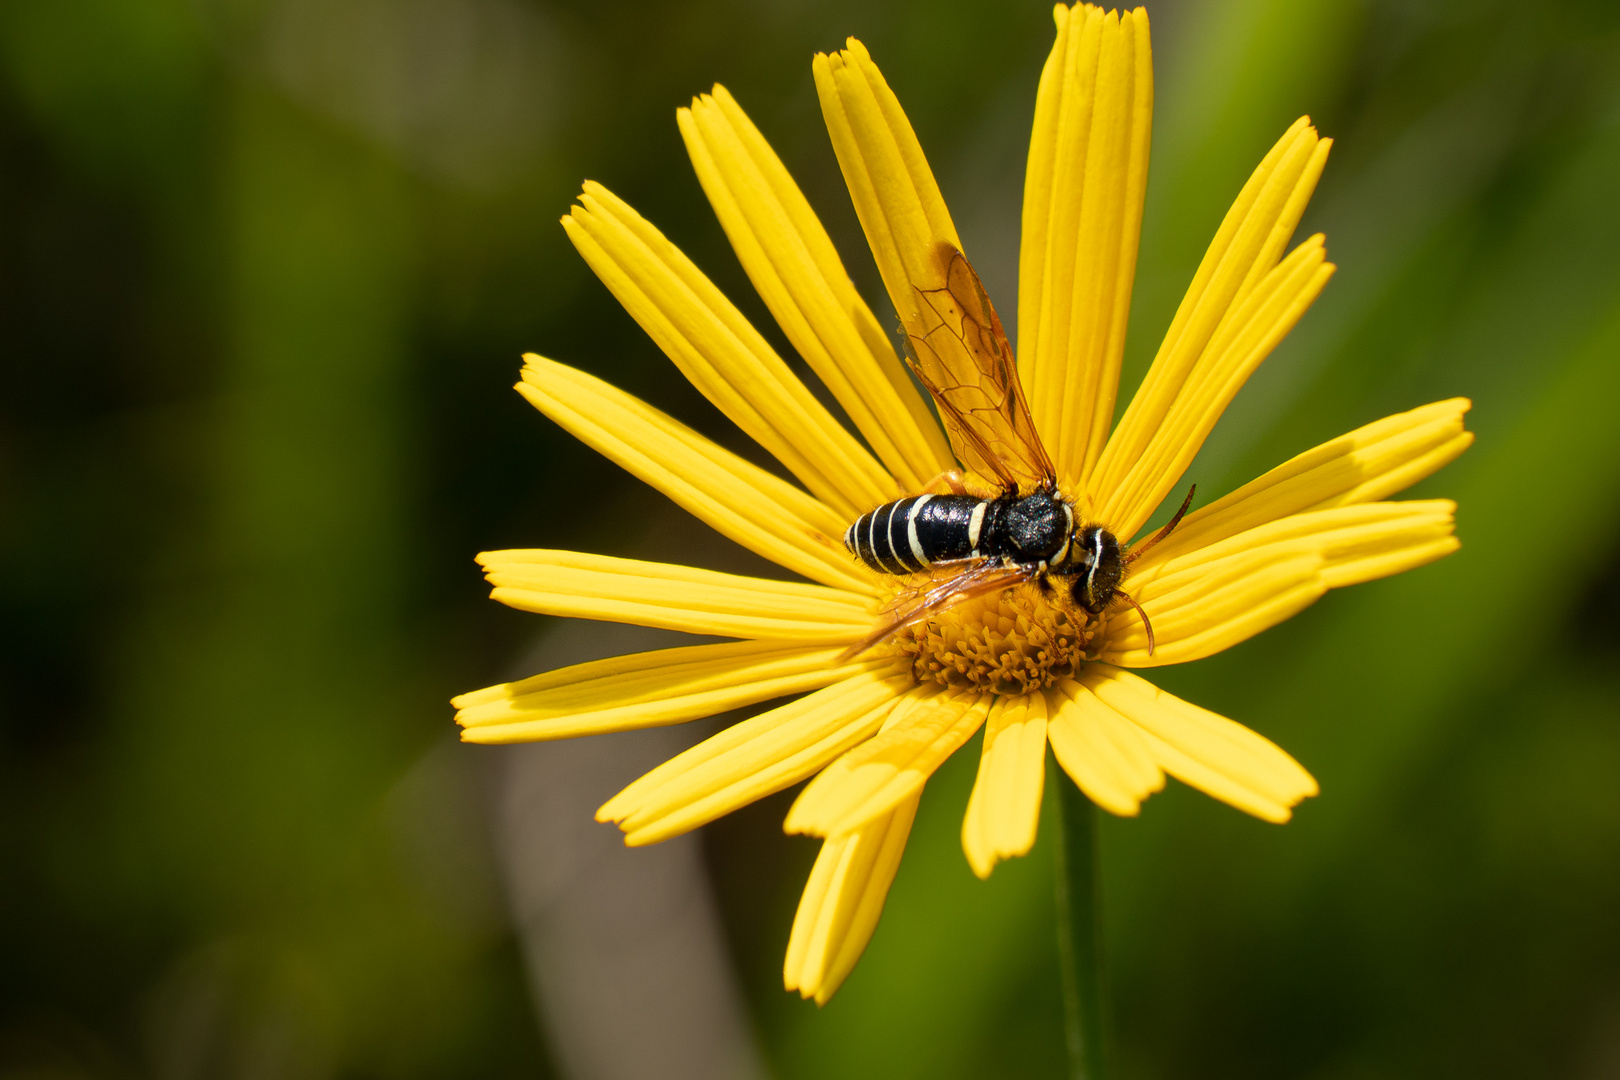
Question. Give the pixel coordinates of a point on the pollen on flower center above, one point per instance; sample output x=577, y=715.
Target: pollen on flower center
x=1011, y=642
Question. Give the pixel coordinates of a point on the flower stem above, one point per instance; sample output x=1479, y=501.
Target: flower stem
x=1079, y=896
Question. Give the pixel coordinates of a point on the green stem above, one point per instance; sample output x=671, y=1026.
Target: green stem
x=1079, y=896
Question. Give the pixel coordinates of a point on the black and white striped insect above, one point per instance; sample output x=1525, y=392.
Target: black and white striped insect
x=969, y=545
x=1035, y=531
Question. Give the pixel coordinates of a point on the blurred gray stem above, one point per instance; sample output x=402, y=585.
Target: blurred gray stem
x=623, y=946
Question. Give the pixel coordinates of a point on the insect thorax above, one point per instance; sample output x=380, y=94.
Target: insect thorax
x=1035, y=529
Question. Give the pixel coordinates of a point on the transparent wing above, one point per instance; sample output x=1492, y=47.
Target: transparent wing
x=960, y=353
x=914, y=605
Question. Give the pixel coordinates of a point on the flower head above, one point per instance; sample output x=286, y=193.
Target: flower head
x=1019, y=662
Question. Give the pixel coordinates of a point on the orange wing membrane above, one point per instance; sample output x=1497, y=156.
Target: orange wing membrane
x=960, y=353
x=922, y=602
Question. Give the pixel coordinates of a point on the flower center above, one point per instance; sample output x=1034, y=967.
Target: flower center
x=1011, y=642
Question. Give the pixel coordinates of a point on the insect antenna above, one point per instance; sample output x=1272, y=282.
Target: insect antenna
x=1161, y=534
x=1146, y=622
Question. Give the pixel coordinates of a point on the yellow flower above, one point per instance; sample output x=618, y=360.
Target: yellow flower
x=871, y=730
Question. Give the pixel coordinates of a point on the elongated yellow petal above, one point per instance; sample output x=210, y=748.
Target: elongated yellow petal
x=1369, y=464
x=724, y=357
x=1243, y=340
x=754, y=758
x=894, y=191
x=872, y=778
x=1367, y=542
x=791, y=261
x=668, y=686
x=738, y=499
x=1102, y=751
x=571, y=583
x=1209, y=607
x=1239, y=261
x=1083, y=190
x=1005, y=806
x=842, y=902
x=1203, y=749
x=1211, y=598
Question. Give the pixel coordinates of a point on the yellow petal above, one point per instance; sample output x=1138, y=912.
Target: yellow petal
x=1211, y=598
x=1005, y=806
x=894, y=191
x=1364, y=543
x=872, y=778
x=1245, y=338
x=1209, y=606
x=842, y=902
x=1103, y=752
x=668, y=686
x=724, y=357
x=1245, y=251
x=754, y=758
x=738, y=499
x=1203, y=749
x=791, y=261
x=580, y=585
x=1087, y=173
x=1369, y=464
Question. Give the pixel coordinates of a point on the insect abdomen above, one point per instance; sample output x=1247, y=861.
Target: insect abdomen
x=909, y=535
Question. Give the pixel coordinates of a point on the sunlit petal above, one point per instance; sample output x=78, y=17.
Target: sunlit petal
x=1251, y=329
x=1203, y=749
x=842, y=901
x=1217, y=336
x=1369, y=464
x=895, y=194
x=666, y=686
x=791, y=261
x=579, y=585
x=1103, y=752
x=1083, y=194
x=875, y=776
x=724, y=357
x=1210, y=599
x=754, y=758
x=737, y=499
x=1005, y=807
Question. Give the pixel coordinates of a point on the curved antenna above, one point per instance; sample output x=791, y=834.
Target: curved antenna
x=1164, y=532
x=1125, y=596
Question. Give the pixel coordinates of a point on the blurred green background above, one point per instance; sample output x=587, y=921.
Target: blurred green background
x=266, y=270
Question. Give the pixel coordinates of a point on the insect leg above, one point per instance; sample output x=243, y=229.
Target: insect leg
x=957, y=483
x=951, y=478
